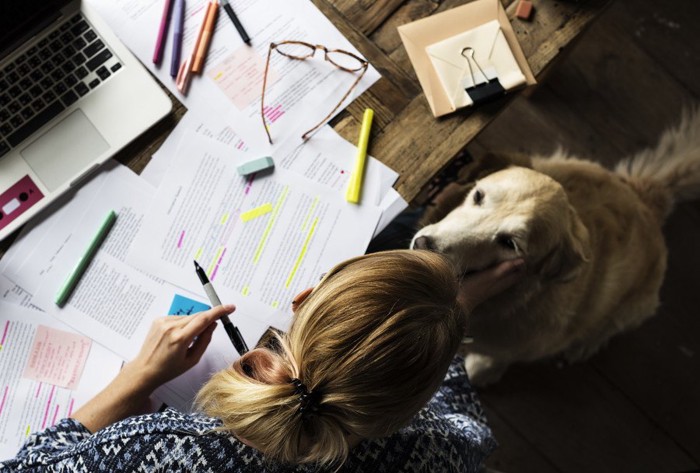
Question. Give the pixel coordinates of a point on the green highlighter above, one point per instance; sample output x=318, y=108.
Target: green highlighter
x=77, y=272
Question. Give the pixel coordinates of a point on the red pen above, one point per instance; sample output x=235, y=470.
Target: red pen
x=162, y=32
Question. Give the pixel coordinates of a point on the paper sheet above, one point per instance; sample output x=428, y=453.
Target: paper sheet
x=27, y=405
x=197, y=215
x=326, y=159
x=14, y=294
x=113, y=304
x=299, y=94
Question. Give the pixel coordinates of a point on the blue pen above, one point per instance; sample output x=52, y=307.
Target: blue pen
x=179, y=14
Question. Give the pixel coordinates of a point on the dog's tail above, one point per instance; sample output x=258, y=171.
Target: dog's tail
x=670, y=172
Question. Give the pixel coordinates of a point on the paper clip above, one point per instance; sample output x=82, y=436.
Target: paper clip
x=483, y=92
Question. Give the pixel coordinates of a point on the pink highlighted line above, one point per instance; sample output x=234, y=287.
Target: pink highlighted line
x=48, y=404
x=4, y=396
x=70, y=407
x=273, y=114
x=276, y=116
x=38, y=388
x=249, y=183
x=179, y=242
x=55, y=414
x=4, y=333
x=213, y=273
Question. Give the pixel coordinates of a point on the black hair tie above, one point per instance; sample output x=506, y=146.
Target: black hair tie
x=309, y=400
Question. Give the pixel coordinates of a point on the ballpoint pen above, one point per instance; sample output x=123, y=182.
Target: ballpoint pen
x=233, y=333
x=236, y=22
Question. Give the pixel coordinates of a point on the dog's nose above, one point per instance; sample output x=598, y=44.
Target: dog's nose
x=423, y=243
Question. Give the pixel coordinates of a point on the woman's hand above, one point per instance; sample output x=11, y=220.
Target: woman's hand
x=480, y=286
x=173, y=345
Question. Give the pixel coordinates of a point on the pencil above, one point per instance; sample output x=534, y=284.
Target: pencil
x=89, y=253
x=204, y=38
x=355, y=185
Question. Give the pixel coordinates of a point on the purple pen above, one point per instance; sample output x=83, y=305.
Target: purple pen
x=179, y=14
x=162, y=32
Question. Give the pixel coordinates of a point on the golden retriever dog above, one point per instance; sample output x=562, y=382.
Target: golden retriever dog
x=591, y=239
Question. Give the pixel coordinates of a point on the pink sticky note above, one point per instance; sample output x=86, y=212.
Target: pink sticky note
x=57, y=357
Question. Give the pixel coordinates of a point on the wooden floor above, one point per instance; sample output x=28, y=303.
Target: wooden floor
x=635, y=407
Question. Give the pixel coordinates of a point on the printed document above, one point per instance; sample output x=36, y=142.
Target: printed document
x=36, y=351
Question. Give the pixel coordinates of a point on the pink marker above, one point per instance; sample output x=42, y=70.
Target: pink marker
x=162, y=32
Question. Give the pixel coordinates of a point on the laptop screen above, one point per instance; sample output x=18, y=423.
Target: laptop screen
x=22, y=19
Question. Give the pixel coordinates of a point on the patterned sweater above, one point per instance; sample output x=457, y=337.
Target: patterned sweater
x=448, y=435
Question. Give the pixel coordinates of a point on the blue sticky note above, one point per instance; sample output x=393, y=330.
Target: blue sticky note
x=182, y=305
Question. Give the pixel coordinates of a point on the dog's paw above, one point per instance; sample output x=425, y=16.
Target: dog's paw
x=483, y=370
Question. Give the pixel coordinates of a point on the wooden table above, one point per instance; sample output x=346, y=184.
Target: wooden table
x=405, y=135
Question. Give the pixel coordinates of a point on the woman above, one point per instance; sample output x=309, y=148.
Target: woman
x=344, y=389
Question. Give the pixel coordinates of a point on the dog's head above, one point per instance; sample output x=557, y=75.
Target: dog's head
x=513, y=213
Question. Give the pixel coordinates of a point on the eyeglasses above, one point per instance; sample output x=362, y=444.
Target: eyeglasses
x=300, y=50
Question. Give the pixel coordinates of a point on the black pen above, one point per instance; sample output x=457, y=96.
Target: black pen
x=236, y=22
x=233, y=333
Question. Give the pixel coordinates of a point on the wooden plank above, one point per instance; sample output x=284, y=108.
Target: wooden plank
x=605, y=79
x=376, y=56
x=580, y=422
x=543, y=123
x=386, y=37
x=366, y=15
x=515, y=453
x=657, y=365
x=668, y=32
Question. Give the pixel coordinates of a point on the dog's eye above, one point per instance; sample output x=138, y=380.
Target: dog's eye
x=507, y=241
x=478, y=197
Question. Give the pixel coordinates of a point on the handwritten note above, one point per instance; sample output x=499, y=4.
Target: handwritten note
x=57, y=357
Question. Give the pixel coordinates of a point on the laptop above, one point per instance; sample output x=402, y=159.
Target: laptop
x=71, y=96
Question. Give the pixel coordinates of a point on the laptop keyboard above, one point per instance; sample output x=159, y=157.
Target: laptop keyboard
x=49, y=77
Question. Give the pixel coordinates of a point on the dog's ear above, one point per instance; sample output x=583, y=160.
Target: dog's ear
x=445, y=202
x=564, y=262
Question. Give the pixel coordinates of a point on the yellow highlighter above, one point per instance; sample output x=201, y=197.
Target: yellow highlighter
x=355, y=184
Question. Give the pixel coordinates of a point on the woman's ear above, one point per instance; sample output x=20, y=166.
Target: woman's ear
x=300, y=298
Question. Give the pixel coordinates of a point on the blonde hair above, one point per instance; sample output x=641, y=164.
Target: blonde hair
x=373, y=340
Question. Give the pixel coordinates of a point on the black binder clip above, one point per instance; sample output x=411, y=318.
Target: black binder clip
x=482, y=92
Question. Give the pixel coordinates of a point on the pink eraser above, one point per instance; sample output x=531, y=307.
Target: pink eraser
x=524, y=10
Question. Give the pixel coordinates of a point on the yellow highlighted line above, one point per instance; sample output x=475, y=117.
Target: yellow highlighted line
x=218, y=76
x=276, y=304
x=273, y=219
x=214, y=261
x=304, y=247
x=256, y=212
x=246, y=289
x=198, y=253
x=224, y=219
x=26, y=432
x=310, y=212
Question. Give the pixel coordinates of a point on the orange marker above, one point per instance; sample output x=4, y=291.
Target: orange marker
x=204, y=37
